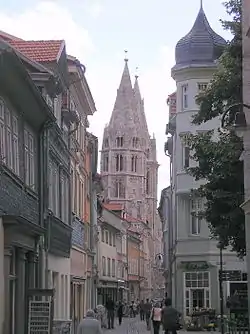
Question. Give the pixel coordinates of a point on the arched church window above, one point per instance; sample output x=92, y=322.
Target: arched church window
x=147, y=183
x=119, y=189
x=134, y=161
x=135, y=142
x=106, y=163
x=147, y=153
x=119, y=163
x=119, y=142
x=106, y=143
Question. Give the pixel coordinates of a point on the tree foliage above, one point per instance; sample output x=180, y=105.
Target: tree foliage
x=218, y=161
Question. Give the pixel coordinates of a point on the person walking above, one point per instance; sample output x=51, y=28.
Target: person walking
x=156, y=318
x=89, y=325
x=170, y=318
x=120, y=312
x=110, y=306
x=142, y=310
x=147, y=308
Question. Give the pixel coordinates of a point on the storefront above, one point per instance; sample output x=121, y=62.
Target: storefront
x=77, y=287
x=107, y=290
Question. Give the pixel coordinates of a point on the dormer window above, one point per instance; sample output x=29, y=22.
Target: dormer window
x=119, y=142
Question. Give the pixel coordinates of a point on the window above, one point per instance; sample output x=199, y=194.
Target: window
x=2, y=133
x=106, y=163
x=54, y=188
x=103, y=266
x=64, y=196
x=196, y=208
x=119, y=142
x=106, y=143
x=135, y=142
x=113, y=268
x=119, y=163
x=57, y=109
x=134, y=163
x=197, y=279
x=138, y=210
x=119, y=189
x=110, y=238
x=114, y=237
x=29, y=161
x=147, y=154
x=186, y=156
x=147, y=183
x=202, y=86
x=109, y=267
x=103, y=233
x=106, y=236
x=184, y=91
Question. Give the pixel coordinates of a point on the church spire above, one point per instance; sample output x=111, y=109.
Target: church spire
x=122, y=112
x=137, y=92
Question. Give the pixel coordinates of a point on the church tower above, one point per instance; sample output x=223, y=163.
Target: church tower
x=128, y=157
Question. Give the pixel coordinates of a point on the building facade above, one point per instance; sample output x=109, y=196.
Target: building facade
x=24, y=120
x=128, y=159
x=109, y=230
x=80, y=100
x=193, y=256
x=134, y=258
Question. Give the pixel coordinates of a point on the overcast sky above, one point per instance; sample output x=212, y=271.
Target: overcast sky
x=98, y=31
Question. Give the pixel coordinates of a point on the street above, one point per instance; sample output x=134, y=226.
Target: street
x=135, y=326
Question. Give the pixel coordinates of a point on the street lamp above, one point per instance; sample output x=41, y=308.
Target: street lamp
x=221, y=247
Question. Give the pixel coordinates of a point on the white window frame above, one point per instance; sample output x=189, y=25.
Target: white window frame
x=206, y=289
x=184, y=96
x=195, y=221
x=29, y=158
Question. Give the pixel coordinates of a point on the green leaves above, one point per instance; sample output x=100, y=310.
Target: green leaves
x=216, y=152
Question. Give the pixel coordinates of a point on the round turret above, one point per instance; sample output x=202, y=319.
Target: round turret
x=201, y=45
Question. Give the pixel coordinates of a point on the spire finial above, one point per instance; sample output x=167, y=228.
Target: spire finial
x=201, y=3
x=126, y=55
x=136, y=72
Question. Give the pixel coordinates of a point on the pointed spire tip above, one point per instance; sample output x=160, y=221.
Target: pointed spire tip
x=126, y=56
x=201, y=6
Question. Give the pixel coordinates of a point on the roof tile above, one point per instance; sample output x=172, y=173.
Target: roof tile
x=39, y=51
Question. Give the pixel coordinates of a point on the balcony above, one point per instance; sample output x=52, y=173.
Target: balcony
x=69, y=113
x=59, y=237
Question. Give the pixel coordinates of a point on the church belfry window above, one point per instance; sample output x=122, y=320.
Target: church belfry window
x=135, y=142
x=106, y=143
x=119, y=189
x=134, y=160
x=147, y=182
x=119, y=142
x=106, y=163
x=119, y=162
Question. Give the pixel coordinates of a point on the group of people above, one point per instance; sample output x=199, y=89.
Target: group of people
x=159, y=314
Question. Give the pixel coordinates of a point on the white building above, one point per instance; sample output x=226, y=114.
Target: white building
x=194, y=256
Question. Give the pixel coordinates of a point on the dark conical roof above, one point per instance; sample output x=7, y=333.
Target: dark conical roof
x=201, y=45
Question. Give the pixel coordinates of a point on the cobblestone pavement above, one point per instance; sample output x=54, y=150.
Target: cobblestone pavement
x=135, y=326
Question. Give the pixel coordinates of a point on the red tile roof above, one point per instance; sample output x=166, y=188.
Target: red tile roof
x=39, y=51
x=113, y=206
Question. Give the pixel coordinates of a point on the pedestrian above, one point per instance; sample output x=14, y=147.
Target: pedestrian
x=89, y=325
x=141, y=310
x=110, y=306
x=156, y=318
x=120, y=312
x=132, y=309
x=147, y=308
x=170, y=318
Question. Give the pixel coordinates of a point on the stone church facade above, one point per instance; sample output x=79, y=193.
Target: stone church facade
x=128, y=161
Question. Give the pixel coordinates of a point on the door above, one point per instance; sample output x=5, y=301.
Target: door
x=198, y=298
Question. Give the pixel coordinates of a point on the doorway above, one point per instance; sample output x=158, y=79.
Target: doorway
x=198, y=298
